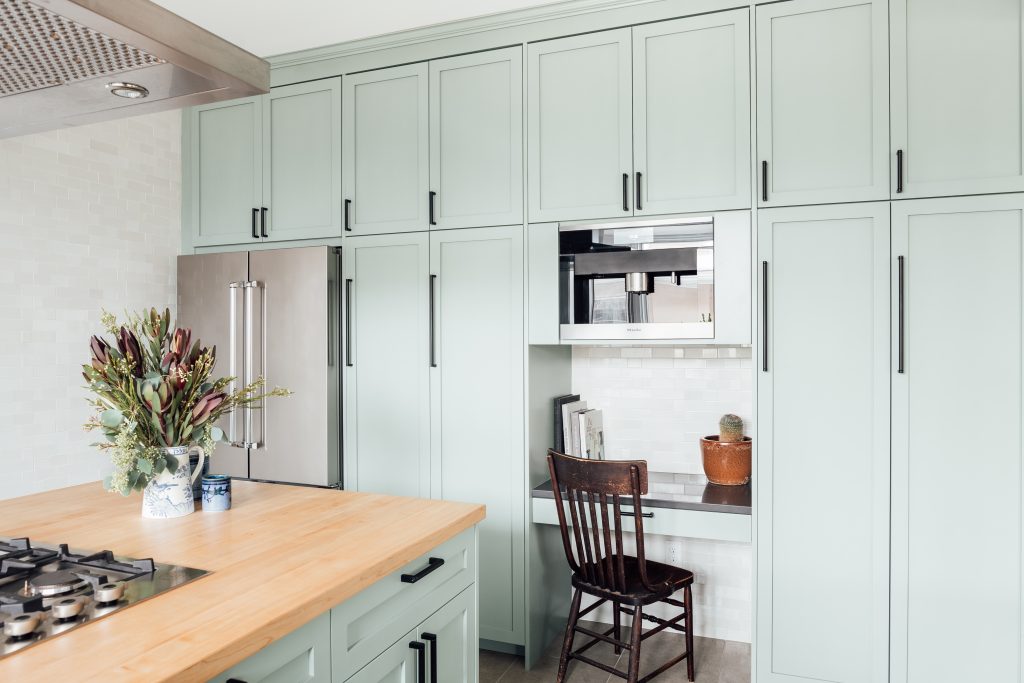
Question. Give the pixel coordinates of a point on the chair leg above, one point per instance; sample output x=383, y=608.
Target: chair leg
x=636, y=630
x=570, y=631
x=617, y=623
x=688, y=601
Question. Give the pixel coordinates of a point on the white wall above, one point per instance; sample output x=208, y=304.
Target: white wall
x=89, y=219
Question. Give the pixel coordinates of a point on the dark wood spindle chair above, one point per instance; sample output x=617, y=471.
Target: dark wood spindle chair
x=600, y=567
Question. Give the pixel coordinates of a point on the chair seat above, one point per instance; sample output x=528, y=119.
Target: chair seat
x=665, y=578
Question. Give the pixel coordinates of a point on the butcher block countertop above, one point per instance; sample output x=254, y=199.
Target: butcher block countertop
x=280, y=557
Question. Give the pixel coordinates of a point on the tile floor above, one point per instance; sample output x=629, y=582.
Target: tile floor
x=716, y=661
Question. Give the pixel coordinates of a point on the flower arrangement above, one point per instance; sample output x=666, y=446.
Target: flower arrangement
x=152, y=389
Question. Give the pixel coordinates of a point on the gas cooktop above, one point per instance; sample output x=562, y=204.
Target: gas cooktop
x=49, y=590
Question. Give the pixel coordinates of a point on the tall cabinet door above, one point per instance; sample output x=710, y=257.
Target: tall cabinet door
x=302, y=160
x=957, y=420
x=226, y=160
x=477, y=419
x=823, y=445
x=398, y=664
x=387, y=380
x=451, y=635
x=476, y=139
x=822, y=101
x=691, y=114
x=957, y=96
x=385, y=150
x=580, y=127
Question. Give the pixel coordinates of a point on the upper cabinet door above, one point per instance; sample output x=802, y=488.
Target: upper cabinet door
x=302, y=160
x=385, y=150
x=476, y=139
x=691, y=114
x=226, y=172
x=579, y=127
x=956, y=97
x=822, y=102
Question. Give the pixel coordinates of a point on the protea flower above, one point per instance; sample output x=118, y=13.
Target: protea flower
x=206, y=405
x=180, y=342
x=128, y=345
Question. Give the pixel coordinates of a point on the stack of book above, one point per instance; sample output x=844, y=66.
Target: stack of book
x=579, y=430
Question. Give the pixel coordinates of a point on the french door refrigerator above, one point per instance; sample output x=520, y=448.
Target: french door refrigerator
x=272, y=314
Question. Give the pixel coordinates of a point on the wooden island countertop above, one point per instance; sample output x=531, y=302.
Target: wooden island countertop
x=281, y=556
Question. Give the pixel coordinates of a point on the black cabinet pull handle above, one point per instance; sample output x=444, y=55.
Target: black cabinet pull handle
x=764, y=181
x=348, y=207
x=421, y=660
x=900, y=312
x=630, y=513
x=625, y=192
x=764, y=312
x=432, y=639
x=899, y=171
x=348, y=323
x=263, y=221
x=639, y=194
x=432, y=564
x=431, y=196
x=255, y=215
x=433, y=311
x=235, y=680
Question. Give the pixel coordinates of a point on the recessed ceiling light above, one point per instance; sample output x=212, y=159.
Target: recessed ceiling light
x=130, y=90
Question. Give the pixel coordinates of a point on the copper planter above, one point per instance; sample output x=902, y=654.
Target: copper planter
x=726, y=464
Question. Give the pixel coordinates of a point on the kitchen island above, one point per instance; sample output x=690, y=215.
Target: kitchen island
x=281, y=559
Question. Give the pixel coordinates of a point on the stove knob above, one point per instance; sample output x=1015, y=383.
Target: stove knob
x=109, y=592
x=21, y=625
x=67, y=608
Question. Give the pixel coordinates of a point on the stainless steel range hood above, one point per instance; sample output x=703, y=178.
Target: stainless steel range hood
x=70, y=62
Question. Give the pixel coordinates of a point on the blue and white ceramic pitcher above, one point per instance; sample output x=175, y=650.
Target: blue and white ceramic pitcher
x=169, y=494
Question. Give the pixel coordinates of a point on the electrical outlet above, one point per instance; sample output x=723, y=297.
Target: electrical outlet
x=673, y=553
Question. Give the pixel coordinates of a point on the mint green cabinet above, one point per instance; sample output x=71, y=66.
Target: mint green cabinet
x=822, y=101
x=957, y=420
x=387, y=382
x=691, y=114
x=476, y=139
x=477, y=385
x=385, y=143
x=823, y=500
x=397, y=664
x=451, y=638
x=579, y=127
x=957, y=96
x=302, y=656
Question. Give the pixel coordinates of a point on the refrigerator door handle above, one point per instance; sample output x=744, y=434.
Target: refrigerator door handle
x=249, y=374
x=233, y=288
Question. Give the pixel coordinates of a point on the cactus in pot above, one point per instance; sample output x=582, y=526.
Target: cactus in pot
x=730, y=428
x=727, y=455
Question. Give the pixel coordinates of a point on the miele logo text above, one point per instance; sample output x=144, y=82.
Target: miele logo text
x=634, y=329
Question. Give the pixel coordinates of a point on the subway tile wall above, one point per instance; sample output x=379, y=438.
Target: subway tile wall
x=89, y=219
x=657, y=402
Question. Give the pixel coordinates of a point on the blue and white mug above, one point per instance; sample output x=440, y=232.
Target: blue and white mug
x=216, y=492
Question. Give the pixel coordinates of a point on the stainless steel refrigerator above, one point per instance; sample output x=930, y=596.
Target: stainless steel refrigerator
x=273, y=313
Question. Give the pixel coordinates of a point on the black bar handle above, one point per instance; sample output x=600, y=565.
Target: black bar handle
x=900, y=315
x=625, y=192
x=764, y=313
x=764, y=181
x=255, y=215
x=432, y=639
x=421, y=660
x=431, y=196
x=630, y=513
x=899, y=171
x=638, y=200
x=348, y=323
x=348, y=208
x=263, y=221
x=432, y=565
x=433, y=311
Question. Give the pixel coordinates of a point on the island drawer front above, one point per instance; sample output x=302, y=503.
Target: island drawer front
x=302, y=656
x=369, y=623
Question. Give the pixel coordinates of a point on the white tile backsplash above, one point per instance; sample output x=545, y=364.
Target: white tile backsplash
x=89, y=219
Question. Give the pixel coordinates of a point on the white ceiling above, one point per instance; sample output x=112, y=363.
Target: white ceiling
x=271, y=27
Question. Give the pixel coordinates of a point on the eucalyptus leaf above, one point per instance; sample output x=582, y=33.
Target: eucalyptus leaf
x=107, y=481
x=111, y=418
x=159, y=465
x=217, y=434
x=172, y=463
x=145, y=466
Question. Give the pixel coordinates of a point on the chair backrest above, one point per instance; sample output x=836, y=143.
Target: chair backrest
x=593, y=545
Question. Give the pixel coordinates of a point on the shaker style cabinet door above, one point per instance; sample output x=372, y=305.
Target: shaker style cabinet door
x=476, y=139
x=823, y=510
x=961, y=261
x=956, y=97
x=691, y=114
x=226, y=172
x=579, y=127
x=453, y=649
x=387, y=382
x=822, y=102
x=302, y=161
x=400, y=663
x=477, y=406
x=385, y=149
